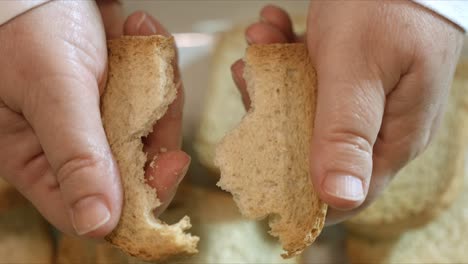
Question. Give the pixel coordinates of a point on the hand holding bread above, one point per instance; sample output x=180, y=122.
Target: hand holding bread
x=380, y=94
x=55, y=150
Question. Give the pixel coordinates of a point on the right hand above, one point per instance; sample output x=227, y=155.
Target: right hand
x=382, y=86
x=54, y=149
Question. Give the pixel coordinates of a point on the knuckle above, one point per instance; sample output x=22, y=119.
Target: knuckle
x=347, y=152
x=77, y=175
x=349, y=139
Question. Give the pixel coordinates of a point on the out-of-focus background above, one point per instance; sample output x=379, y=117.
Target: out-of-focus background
x=204, y=16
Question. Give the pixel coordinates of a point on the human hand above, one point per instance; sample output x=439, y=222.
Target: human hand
x=384, y=71
x=54, y=149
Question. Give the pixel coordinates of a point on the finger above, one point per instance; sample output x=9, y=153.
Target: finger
x=113, y=17
x=79, y=155
x=165, y=173
x=349, y=112
x=280, y=19
x=264, y=33
x=24, y=165
x=62, y=106
x=237, y=71
x=167, y=132
x=402, y=136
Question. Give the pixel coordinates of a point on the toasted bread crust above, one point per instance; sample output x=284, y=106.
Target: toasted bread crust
x=140, y=87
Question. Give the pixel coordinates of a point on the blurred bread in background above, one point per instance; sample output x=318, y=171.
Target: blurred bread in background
x=25, y=237
x=444, y=240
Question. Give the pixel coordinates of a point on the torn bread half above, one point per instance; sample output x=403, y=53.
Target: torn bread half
x=428, y=184
x=264, y=161
x=223, y=108
x=227, y=237
x=139, y=90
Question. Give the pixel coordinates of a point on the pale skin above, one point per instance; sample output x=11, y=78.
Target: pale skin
x=383, y=83
x=384, y=71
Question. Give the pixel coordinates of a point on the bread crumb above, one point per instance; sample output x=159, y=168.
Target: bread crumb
x=163, y=150
x=153, y=162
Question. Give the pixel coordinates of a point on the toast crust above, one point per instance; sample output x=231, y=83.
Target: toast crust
x=139, y=90
x=264, y=161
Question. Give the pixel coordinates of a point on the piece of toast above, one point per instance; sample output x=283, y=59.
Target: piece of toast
x=264, y=162
x=227, y=237
x=139, y=89
x=9, y=196
x=25, y=237
x=428, y=184
x=223, y=108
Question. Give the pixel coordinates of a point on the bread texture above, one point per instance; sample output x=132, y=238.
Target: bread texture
x=223, y=108
x=9, y=196
x=227, y=237
x=428, y=184
x=25, y=237
x=140, y=87
x=264, y=161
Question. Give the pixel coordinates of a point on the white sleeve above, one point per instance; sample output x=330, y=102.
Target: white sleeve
x=454, y=10
x=10, y=9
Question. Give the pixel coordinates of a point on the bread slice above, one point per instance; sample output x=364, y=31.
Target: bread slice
x=444, y=240
x=140, y=87
x=25, y=237
x=264, y=162
x=428, y=184
x=227, y=237
x=223, y=108
x=9, y=196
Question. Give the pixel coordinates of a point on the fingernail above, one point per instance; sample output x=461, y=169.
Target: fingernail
x=89, y=214
x=342, y=186
x=183, y=171
x=145, y=26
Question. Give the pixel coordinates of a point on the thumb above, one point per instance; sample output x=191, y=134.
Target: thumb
x=68, y=126
x=61, y=104
x=350, y=106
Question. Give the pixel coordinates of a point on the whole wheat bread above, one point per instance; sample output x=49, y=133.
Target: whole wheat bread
x=428, y=184
x=140, y=87
x=223, y=108
x=264, y=162
x=227, y=237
